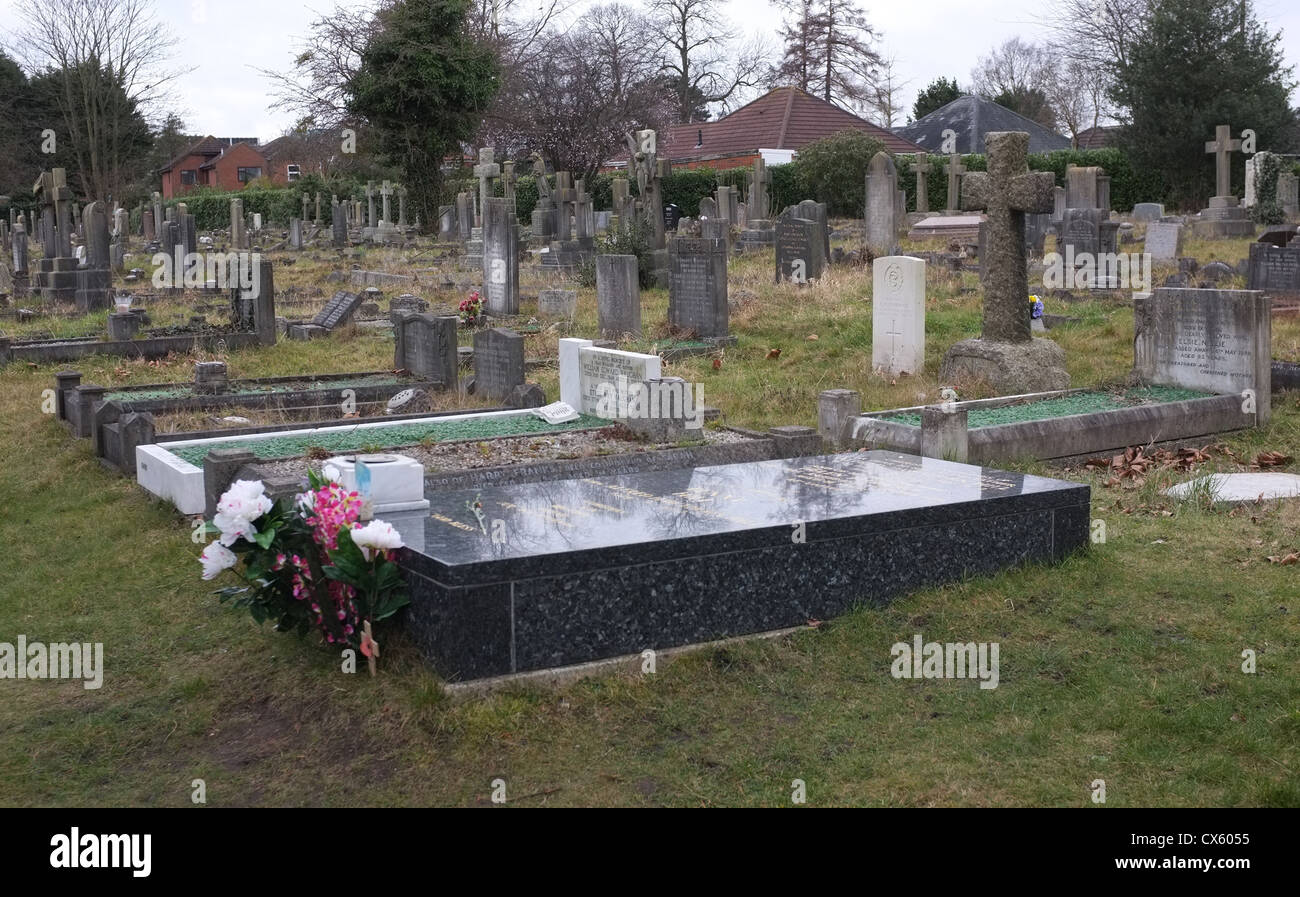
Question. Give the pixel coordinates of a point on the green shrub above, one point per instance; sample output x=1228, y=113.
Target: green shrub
x=833, y=170
x=635, y=242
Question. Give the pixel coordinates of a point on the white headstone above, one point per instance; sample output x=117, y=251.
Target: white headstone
x=898, y=315
x=1164, y=241
x=570, y=375
x=610, y=374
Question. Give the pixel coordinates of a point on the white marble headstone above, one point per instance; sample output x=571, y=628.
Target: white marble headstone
x=898, y=315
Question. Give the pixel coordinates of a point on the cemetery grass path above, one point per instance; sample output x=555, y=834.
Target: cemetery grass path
x=1123, y=663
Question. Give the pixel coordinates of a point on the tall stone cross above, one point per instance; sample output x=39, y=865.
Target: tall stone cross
x=1007, y=192
x=1221, y=146
x=922, y=168
x=485, y=171
x=955, y=171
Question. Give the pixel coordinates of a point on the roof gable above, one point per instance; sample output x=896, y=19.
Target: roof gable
x=970, y=118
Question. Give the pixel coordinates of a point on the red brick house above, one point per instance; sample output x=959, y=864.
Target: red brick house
x=226, y=163
x=784, y=119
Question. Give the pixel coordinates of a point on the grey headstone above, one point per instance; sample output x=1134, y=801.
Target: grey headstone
x=618, y=295
x=500, y=259
x=498, y=362
x=338, y=311
x=882, y=204
x=425, y=347
x=697, y=286
x=557, y=303
x=1164, y=241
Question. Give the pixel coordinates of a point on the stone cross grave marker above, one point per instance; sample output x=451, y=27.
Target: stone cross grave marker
x=955, y=172
x=1221, y=147
x=1006, y=192
x=486, y=170
x=922, y=168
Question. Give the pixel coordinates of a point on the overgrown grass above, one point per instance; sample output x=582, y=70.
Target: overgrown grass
x=1123, y=663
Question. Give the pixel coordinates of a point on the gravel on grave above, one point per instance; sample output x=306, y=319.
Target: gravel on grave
x=1079, y=403
x=503, y=452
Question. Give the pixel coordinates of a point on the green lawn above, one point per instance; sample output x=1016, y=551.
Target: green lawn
x=1123, y=663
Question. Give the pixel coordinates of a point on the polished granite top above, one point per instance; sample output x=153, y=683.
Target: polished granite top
x=715, y=507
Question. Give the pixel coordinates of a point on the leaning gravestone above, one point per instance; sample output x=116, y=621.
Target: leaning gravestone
x=338, y=311
x=1006, y=355
x=882, y=204
x=697, y=286
x=800, y=252
x=898, y=315
x=1215, y=340
x=1164, y=241
x=498, y=362
x=618, y=295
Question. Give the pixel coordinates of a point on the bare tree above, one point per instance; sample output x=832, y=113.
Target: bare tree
x=594, y=82
x=110, y=59
x=885, y=98
x=1093, y=39
x=1016, y=74
x=701, y=55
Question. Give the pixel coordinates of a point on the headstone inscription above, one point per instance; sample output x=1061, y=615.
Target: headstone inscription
x=338, y=311
x=1216, y=340
x=1275, y=269
x=800, y=251
x=697, y=286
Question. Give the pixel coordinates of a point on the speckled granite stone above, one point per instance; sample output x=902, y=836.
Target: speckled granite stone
x=598, y=567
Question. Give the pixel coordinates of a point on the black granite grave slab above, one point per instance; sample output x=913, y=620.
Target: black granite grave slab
x=569, y=571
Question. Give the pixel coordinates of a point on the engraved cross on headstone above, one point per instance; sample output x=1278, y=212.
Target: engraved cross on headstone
x=1221, y=146
x=955, y=171
x=922, y=168
x=1007, y=191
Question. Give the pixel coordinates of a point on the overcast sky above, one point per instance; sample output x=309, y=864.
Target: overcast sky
x=223, y=42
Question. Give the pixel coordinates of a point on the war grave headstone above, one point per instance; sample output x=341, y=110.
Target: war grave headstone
x=500, y=258
x=1164, y=241
x=498, y=362
x=898, y=315
x=800, y=250
x=425, y=347
x=566, y=586
x=882, y=205
x=697, y=287
x=1214, y=340
x=618, y=295
x=1225, y=217
x=1006, y=355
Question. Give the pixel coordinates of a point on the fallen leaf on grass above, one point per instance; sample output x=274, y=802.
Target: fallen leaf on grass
x=773, y=353
x=812, y=337
x=1284, y=560
x=1271, y=459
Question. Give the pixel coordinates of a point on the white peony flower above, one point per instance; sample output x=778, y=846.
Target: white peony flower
x=215, y=558
x=376, y=534
x=331, y=473
x=245, y=499
x=233, y=528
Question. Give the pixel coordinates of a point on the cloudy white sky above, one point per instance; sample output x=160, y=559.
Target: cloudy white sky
x=222, y=43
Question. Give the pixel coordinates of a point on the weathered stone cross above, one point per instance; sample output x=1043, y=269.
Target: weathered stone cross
x=485, y=171
x=955, y=171
x=1007, y=191
x=1221, y=146
x=922, y=167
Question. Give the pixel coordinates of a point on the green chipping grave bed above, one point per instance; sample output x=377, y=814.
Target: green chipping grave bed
x=348, y=439
x=1064, y=406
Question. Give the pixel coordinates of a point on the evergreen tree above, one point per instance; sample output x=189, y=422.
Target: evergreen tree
x=1197, y=64
x=940, y=93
